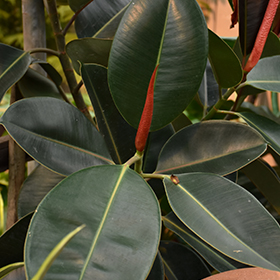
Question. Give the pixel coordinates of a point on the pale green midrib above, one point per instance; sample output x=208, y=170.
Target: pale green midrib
x=97, y=235
x=163, y=34
x=207, y=160
x=60, y=143
x=12, y=65
x=105, y=120
x=103, y=27
x=198, y=241
x=225, y=228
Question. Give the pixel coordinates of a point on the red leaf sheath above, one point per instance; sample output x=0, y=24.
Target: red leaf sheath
x=262, y=35
x=147, y=115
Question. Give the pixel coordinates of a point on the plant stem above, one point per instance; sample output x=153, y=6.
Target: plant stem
x=73, y=19
x=137, y=157
x=155, y=176
x=44, y=50
x=16, y=170
x=64, y=59
x=139, y=163
x=218, y=105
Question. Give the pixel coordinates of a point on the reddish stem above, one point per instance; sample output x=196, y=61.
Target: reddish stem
x=262, y=35
x=147, y=115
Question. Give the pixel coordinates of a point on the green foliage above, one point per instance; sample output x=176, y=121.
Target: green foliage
x=198, y=199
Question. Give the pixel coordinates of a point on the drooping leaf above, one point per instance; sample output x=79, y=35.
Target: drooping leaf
x=266, y=74
x=180, y=261
x=56, y=134
x=157, y=271
x=98, y=15
x=9, y=268
x=152, y=33
x=266, y=180
x=227, y=217
x=269, y=129
x=12, y=242
x=154, y=145
x=272, y=46
x=89, y=50
x=225, y=63
x=219, y=147
x=13, y=65
x=216, y=259
x=118, y=134
x=54, y=253
x=209, y=89
x=123, y=226
x=52, y=72
x=34, y=189
x=33, y=84
x=251, y=13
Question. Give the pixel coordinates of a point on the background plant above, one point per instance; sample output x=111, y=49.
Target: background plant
x=96, y=207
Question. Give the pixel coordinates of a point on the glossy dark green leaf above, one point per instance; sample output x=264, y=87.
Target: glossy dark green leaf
x=56, y=134
x=216, y=259
x=181, y=122
x=12, y=242
x=219, y=147
x=266, y=74
x=251, y=13
x=118, y=134
x=227, y=217
x=98, y=15
x=269, y=129
x=272, y=46
x=52, y=72
x=89, y=50
x=123, y=226
x=9, y=268
x=33, y=84
x=157, y=271
x=13, y=65
x=154, y=145
x=266, y=180
x=180, y=261
x=54, y=253
x=209, y=89
x=76, y=5
x=225, y=63
x=172, y=34
x=34, y=189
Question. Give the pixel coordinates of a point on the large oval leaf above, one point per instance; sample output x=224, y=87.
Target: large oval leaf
x=34, y=189
x=13, y=65
x=12, y=242
x=266, y=180
x=180, y=261
x=251, y=13
x=227, y=217
x=217, y=260
x=33, y=84
x=266, y=74
x=89, y=50
x=269, y=129
x=172, y=34
x=225, y=63
x=219, y=147
x=118, y=134
x=123, y=226
x=56, y=134
x=98, y=14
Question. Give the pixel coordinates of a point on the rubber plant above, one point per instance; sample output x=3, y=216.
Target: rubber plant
x=166, y=179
